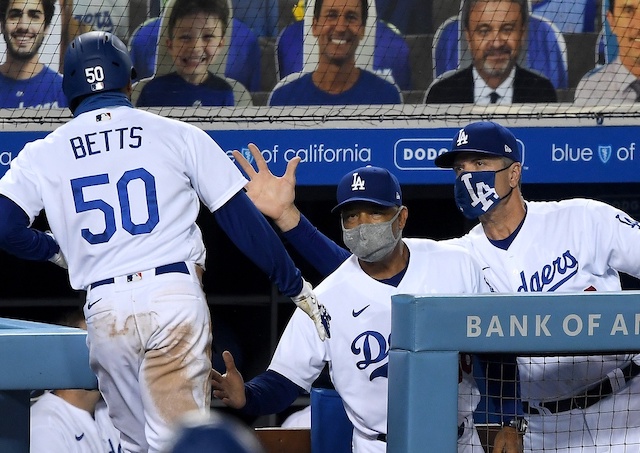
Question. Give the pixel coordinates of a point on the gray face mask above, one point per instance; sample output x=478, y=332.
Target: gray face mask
x=371, y=241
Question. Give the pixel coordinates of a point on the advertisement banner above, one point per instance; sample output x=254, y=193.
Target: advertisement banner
x=580, y=154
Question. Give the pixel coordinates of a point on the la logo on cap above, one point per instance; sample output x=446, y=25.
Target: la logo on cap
x=463, y=138
x=357, y=183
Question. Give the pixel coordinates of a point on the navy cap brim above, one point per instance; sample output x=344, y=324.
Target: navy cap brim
x=446, y=160
x=386, y=204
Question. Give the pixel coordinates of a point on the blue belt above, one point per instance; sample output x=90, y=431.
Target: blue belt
x=179, y=267
x=383, y=437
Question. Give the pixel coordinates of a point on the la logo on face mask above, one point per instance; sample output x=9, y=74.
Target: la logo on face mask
x=358, y=183
x=482, y=194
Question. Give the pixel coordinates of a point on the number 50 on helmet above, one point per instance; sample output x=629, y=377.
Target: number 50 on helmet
x=95, y=62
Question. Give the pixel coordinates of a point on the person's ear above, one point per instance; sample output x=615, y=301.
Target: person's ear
x=402, y=218
x=515, y=174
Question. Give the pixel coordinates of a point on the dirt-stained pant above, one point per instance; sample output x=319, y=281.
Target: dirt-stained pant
x=149, y=339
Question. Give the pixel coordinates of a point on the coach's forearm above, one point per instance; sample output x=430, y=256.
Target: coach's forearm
x=320, y=251
x=18, y=239
x=269, y=393
x=289, y=219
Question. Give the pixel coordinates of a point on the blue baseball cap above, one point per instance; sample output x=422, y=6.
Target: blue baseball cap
x=373, y=184
x=484, y=137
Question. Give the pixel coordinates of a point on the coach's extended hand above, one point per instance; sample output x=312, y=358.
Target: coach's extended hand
x=229, y=387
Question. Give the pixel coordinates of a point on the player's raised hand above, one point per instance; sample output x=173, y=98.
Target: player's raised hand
x=273, y=195
x=308, y=302
x=229, y=387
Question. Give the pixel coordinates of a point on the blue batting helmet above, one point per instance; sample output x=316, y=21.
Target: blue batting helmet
x=95, y=62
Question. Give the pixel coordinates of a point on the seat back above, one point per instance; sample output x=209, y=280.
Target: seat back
x=607, y=49
x=575, y=16
x=544, y=49
x=331, y=429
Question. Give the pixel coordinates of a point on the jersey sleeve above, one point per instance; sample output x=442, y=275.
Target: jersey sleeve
x=213, y=175
x=18, y=239
x=320, y=251
x=21, y=185
x=300, y=355
x=616, y=239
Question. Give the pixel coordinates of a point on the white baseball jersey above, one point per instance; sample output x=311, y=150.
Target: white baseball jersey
x=60, y=427
x=358, y=349
x=570, y=246
x=110, y=435
x=107, y=181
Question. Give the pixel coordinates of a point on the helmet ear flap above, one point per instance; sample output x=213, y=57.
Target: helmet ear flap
x=95, y=62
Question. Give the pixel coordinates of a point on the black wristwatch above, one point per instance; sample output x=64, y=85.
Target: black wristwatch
x=519, y=424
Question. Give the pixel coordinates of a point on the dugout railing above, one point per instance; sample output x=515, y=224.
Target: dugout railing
x=429, y=331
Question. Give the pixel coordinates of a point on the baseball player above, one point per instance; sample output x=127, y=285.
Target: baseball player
x=59, y=425
x=72, y=420
x=121, y=189
x=585, y=404
x=358, y=294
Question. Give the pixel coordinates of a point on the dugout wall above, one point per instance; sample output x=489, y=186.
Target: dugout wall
x=429, y=331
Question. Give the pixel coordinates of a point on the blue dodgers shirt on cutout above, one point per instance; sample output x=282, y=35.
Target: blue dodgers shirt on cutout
x=44, y=90
x=172, y=90
x=369, y=89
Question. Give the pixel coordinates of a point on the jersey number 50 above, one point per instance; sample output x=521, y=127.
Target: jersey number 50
x=82, y=205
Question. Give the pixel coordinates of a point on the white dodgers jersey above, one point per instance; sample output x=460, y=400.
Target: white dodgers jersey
x=59, y=427
x=358, y=350
x=120, y=188
x=566, y=246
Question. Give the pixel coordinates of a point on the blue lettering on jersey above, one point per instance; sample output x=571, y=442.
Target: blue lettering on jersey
x=628, y=221
x=112, y=448
x=101, y=20
x=540, y=280
x=103, y=141
x=374, y=349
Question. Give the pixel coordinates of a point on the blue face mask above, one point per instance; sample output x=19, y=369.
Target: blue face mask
x=475, y=192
